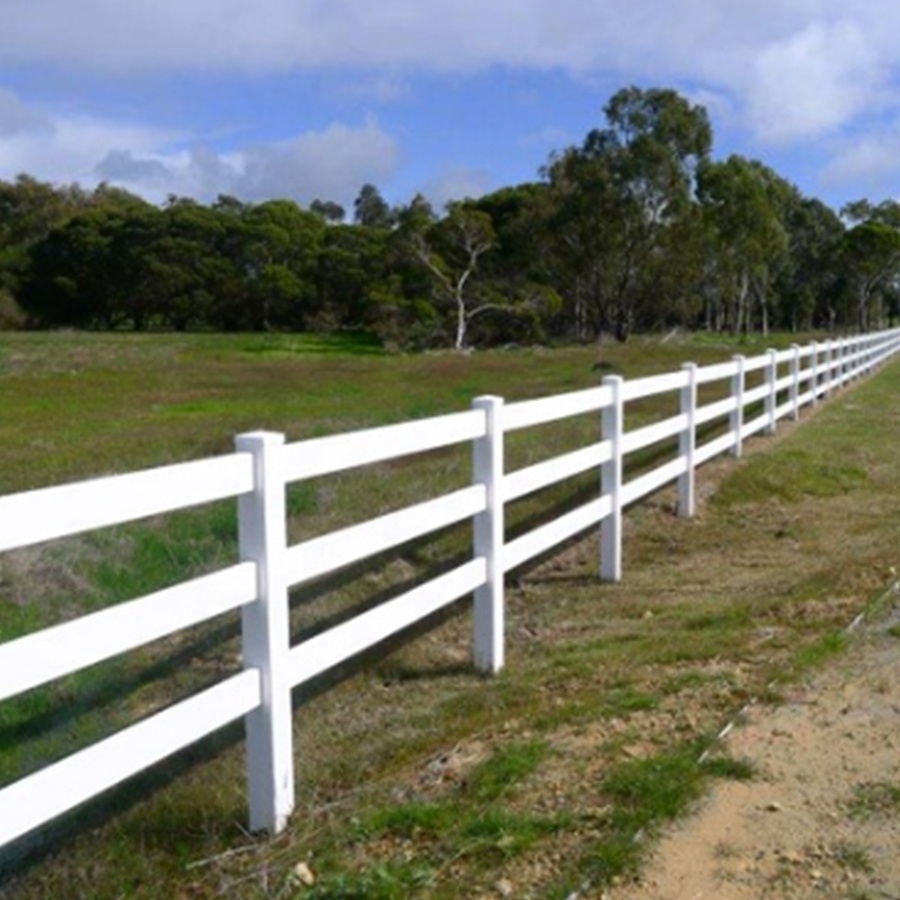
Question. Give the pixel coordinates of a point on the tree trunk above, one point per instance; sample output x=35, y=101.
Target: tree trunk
x=863, y=310
x=460, y=322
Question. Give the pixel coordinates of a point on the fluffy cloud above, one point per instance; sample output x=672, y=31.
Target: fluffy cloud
x=62, y=148
x=17, y=119
x=781, y=72
x=121, y=166
x=447, y=34
x=798, y=68
x=814, y=82
x=456, y=183
x=332, y=163
x=871, y=163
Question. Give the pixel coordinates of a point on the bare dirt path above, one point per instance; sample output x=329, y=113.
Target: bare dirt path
x=822, y=817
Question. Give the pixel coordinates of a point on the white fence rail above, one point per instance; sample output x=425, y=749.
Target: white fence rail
x=258, y=583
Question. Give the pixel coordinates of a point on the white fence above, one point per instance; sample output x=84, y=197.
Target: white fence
x=257, y=474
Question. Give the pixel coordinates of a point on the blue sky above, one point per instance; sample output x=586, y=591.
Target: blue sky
x=452, y=98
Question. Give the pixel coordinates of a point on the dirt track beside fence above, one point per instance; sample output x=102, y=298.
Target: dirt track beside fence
x=822, y=817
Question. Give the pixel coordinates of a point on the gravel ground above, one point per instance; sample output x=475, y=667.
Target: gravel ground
x=822, y=817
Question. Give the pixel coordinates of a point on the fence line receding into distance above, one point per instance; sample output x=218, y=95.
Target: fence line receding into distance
x=258, y=582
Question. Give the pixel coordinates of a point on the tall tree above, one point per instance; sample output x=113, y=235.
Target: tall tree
x=619, y=198
x=748, y=240
x=808, y=283
x=371, y=209
x=351, y=262
x=280, y=261
x=450, y=250
x=328, y=210
x=870, y=253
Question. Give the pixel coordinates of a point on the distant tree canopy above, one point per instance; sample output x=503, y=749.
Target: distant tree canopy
x=636, y=228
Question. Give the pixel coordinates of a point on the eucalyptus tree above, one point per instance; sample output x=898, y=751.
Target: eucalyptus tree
x=281, y=244
x=521, y=268
x=809, y=284
x=95, y=270
x=29, y=210
x=371, y=209
x=450, y=250
x=351, y=264
x=870, y=253
x=748, y=239
x=188, y=272
x=328, y=210
x=619, y=200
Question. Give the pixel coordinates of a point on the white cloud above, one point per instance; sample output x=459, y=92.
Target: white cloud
x=871, y=163
x=785, y=72
x=332, y=163
x=798, y=67
x=122, y=166
x=18, y=119
x=456, y=183
x=814, y=82
x=271, y=35
x=64, y=148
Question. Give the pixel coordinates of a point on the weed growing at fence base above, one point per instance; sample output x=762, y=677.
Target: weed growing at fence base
x=416, y=777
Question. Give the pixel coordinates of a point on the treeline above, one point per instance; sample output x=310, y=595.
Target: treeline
x=638, y=228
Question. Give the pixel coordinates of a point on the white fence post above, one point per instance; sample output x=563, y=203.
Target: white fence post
x=829, y=368
x=814, y=372
x=262, y=534
x=611, y=483
x=795, y=382
x=772, y=395
x=687, y=442
x=487, y=461
x=736, y=425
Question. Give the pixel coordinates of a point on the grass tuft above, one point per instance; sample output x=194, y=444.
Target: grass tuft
x=504, y=769
x=728, y=767
x=647, y=792
x=644, y=794
x=880, y=798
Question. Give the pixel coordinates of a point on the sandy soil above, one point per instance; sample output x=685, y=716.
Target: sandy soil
x=822, y=817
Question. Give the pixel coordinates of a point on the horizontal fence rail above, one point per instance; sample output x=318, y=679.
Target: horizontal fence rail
x=751, y=396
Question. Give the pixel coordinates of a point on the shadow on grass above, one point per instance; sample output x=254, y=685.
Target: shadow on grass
x=102, y=695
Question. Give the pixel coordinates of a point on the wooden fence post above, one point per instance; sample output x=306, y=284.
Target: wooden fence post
x=262, y=538
x=829, y=368
x=687, y=442
x=613, y=425
x=487, y=460
x=736, y=424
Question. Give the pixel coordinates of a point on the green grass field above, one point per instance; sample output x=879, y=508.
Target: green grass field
x=415, y=776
